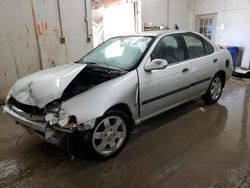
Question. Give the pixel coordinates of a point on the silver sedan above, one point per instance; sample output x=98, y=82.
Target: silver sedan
x=121, y=83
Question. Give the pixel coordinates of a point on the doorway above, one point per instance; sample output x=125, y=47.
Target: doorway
x=112, y=18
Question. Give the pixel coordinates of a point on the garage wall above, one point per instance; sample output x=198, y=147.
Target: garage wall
x=77, y=32
x=32, y=36
x=178, y=14
x=166, y=12
x=233, y=22
x=18, y=46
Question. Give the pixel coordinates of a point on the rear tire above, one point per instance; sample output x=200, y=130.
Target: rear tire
x=214, y=91
x=109, y=136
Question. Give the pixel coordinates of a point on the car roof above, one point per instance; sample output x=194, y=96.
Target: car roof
x=157, y=33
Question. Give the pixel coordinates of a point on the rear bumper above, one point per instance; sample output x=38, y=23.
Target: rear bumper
x=40, y=127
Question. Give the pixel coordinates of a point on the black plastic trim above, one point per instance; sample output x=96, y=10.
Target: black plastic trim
x=175, y=91
x=165, y=95
x=201, y=81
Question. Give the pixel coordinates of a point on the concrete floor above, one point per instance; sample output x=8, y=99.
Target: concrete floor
x=190, y=146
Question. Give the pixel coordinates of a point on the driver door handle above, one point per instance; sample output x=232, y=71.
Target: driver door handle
x=185, y=70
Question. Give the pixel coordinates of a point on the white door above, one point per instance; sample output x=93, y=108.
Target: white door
x=206, y=25
x=162, y=89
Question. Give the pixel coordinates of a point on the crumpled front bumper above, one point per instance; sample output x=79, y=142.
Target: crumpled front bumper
x=35, y=127
x=38, y=126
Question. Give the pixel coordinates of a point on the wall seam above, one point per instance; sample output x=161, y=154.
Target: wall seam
x=37, y=39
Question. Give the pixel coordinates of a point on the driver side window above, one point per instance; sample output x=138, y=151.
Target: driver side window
x=169, y=48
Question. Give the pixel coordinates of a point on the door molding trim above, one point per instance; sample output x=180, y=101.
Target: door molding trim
x=175, y=91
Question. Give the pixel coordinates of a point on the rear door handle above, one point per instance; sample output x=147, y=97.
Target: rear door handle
x=185, y=70
x=215, y=60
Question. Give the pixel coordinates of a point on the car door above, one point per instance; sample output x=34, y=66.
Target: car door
x=202, y=62
x=163, y=89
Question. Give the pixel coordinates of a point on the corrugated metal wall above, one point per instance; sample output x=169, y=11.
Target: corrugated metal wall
x=32, y=34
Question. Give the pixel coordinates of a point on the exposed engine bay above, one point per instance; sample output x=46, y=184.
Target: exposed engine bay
x=91, y=76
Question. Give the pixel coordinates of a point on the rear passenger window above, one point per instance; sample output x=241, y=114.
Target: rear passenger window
x=208, y=47
x=194, y=45
x=169, y=48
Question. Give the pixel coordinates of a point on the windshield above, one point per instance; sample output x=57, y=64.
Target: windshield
x=120, y=52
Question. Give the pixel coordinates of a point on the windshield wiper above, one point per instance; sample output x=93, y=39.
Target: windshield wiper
x=83, y=62
x=92, y=63
x=101, y=65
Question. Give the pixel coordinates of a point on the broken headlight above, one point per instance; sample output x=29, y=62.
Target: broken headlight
x=61, y=119
x=51, y=118
x=66, y=120
x=57, y=119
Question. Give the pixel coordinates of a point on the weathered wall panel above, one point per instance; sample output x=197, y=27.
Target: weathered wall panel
x=75, y=28
x=31, y=32
x=18, y=46
x=48, y=25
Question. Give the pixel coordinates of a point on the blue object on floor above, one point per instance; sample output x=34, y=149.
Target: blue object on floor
x=234, y=50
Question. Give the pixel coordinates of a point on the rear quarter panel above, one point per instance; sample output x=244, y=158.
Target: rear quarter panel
x=225, y=62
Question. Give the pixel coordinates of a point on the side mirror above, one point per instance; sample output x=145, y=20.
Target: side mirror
x=156, y=64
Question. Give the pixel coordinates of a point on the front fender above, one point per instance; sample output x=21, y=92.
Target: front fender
x=95, y=102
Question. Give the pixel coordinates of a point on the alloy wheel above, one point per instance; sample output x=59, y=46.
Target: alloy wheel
x=109, y=135
x=216, y=88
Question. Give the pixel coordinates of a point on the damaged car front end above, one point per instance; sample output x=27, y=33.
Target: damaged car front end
x=52, y=122
x=96, y=96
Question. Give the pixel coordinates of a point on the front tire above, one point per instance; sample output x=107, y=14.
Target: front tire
x=109, y=136
x=214, y=91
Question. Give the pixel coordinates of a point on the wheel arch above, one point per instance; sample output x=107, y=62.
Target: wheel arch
x=125, y=108
x=223, y=74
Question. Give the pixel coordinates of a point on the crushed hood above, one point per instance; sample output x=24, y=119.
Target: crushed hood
x=40, y=88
